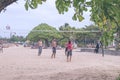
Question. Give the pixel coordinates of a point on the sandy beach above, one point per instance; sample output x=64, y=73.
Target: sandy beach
x=19, y=63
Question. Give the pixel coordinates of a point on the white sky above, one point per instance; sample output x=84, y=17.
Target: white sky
x=22, y=21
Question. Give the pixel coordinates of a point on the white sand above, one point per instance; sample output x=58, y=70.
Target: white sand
x=19, y=63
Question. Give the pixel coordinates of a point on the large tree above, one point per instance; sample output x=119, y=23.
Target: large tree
x=44, y=32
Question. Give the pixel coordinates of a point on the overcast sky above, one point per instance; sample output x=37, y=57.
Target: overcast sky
x=22, y=21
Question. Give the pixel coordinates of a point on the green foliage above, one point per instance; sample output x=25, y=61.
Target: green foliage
x=79, y=7
x=68, y=28
x=38, y=33
x=107, y=33
x=42, y=32
x=63, y=5
x=17, y=39
x=106, y=15
x=33, y=3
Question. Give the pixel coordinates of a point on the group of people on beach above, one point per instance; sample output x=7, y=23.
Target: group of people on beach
x=68, y=49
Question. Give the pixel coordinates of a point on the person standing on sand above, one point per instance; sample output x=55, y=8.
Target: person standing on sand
x=97, y=47
x=54, y=45
x=69, y=51
x=39, y=47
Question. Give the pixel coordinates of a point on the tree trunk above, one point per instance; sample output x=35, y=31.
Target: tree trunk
x=118, y=41
x=5, y=3
x=117, y=38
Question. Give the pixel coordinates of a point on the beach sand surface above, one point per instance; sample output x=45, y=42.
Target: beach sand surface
x=20, y=63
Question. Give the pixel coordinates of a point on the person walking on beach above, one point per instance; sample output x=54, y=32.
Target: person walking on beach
x=39, y=47
x=54, y=45
x=97, y=47
x=101, y=46
x=69, y=51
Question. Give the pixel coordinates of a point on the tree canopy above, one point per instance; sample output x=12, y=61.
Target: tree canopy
x=44, y=32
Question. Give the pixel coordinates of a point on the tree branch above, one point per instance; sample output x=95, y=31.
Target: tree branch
x=5, y=3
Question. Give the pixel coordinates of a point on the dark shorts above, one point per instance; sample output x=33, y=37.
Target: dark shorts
x=54, y=49
x=40, y=49
x=69, y=53
x=96, y=50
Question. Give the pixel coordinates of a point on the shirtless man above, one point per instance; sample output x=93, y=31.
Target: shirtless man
x=39, y=47
x=54, y=45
